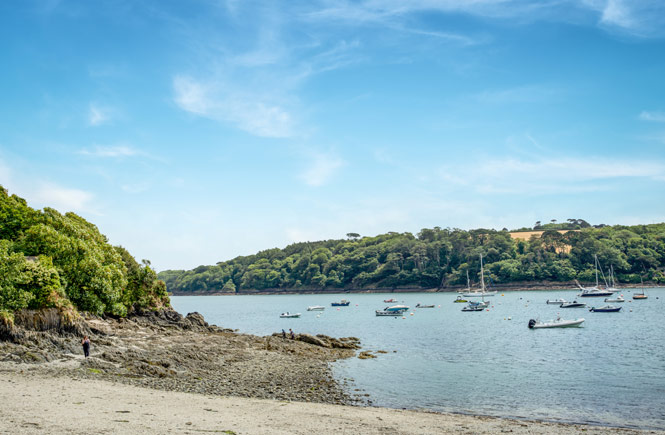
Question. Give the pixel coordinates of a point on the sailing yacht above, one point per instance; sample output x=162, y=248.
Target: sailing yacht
x=482, y=292
x=596, y=290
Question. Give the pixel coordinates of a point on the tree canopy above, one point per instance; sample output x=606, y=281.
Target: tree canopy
x=437, y=258
x=48, y=259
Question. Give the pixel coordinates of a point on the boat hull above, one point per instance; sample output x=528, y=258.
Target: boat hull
x=555, y=324
x=389, y=313
x=478, y=294
x=595, y=294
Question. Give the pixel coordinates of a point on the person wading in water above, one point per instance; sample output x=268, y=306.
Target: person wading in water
x=86, y=346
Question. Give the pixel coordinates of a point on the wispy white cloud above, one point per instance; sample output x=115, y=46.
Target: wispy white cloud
x=549, y=176
x=40, y=193
x=321, y=168
x=62, y=198
x=116, y=151
x=520, y=94
x=255, y=114
x=652, y=116
x=641, y=18
x=97, y=115
x=135, y=188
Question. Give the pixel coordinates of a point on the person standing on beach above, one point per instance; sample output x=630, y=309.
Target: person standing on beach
x=283, y=334
x=293, y=336
x=86, y=346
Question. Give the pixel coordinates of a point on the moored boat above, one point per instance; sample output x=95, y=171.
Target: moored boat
x=288, y=315
x=424, y=306
x=558, y=323
x=316, y=308
x=640, y=295
x=605, y=309
x=398, y=308
x=573, y=304
x=557, y=301
x=460, y=300
x=594, y=291
x=482, y=292
x=471, y=307
x=390, y=301
x=616, y=299
x=342, y=303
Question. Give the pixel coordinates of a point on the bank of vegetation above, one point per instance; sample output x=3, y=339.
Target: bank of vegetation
x=438, y=258
x=51, y=260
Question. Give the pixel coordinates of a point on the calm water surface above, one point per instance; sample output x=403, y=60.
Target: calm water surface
x=611, y=371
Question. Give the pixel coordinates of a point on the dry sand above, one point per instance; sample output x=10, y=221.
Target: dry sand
x=32, y=403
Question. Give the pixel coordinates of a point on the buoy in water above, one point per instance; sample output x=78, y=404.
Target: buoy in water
x=412, y=314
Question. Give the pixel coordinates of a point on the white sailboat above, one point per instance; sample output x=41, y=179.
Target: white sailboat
x=596, y=290
x=482, y=292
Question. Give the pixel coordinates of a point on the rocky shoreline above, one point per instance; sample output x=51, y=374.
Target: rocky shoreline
x=165, y=350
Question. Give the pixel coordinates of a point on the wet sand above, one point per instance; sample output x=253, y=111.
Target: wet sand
x=33, y=402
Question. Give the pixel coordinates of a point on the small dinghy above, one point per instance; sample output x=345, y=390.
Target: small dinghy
x=558, y=323
x=288, y=315
x=316, y=308
x=557, y=301
x=424, y=306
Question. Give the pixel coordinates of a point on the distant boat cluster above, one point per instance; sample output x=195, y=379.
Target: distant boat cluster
x=596, y=291
x=397, y=309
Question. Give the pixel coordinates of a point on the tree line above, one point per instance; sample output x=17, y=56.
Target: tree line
x=438, y=258
x=51, y=260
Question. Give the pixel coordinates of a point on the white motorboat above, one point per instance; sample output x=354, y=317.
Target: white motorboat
x=472, y=307
x=288, y=315
x=424, y=306
x=617, y=299
x=557, y=301
x=399, y=308
x=316, y=308
x=558, y=323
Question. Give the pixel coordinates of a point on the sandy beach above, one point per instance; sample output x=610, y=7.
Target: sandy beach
x=35, y=403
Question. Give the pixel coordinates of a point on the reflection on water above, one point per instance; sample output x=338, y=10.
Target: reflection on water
x=611, y=371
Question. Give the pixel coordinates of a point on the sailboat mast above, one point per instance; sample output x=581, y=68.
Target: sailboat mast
x=595, y=264
x=482, y=274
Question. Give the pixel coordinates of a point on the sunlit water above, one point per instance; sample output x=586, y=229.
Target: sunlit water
x=611, y=371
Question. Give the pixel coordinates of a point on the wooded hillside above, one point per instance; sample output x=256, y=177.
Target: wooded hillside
x=438, y=257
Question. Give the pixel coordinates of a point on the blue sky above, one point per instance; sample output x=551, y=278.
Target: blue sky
x=193, y=132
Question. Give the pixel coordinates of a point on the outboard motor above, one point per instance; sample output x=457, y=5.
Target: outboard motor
x=532, y=323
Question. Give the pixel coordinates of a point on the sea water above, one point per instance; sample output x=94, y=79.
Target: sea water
x=611, y=371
